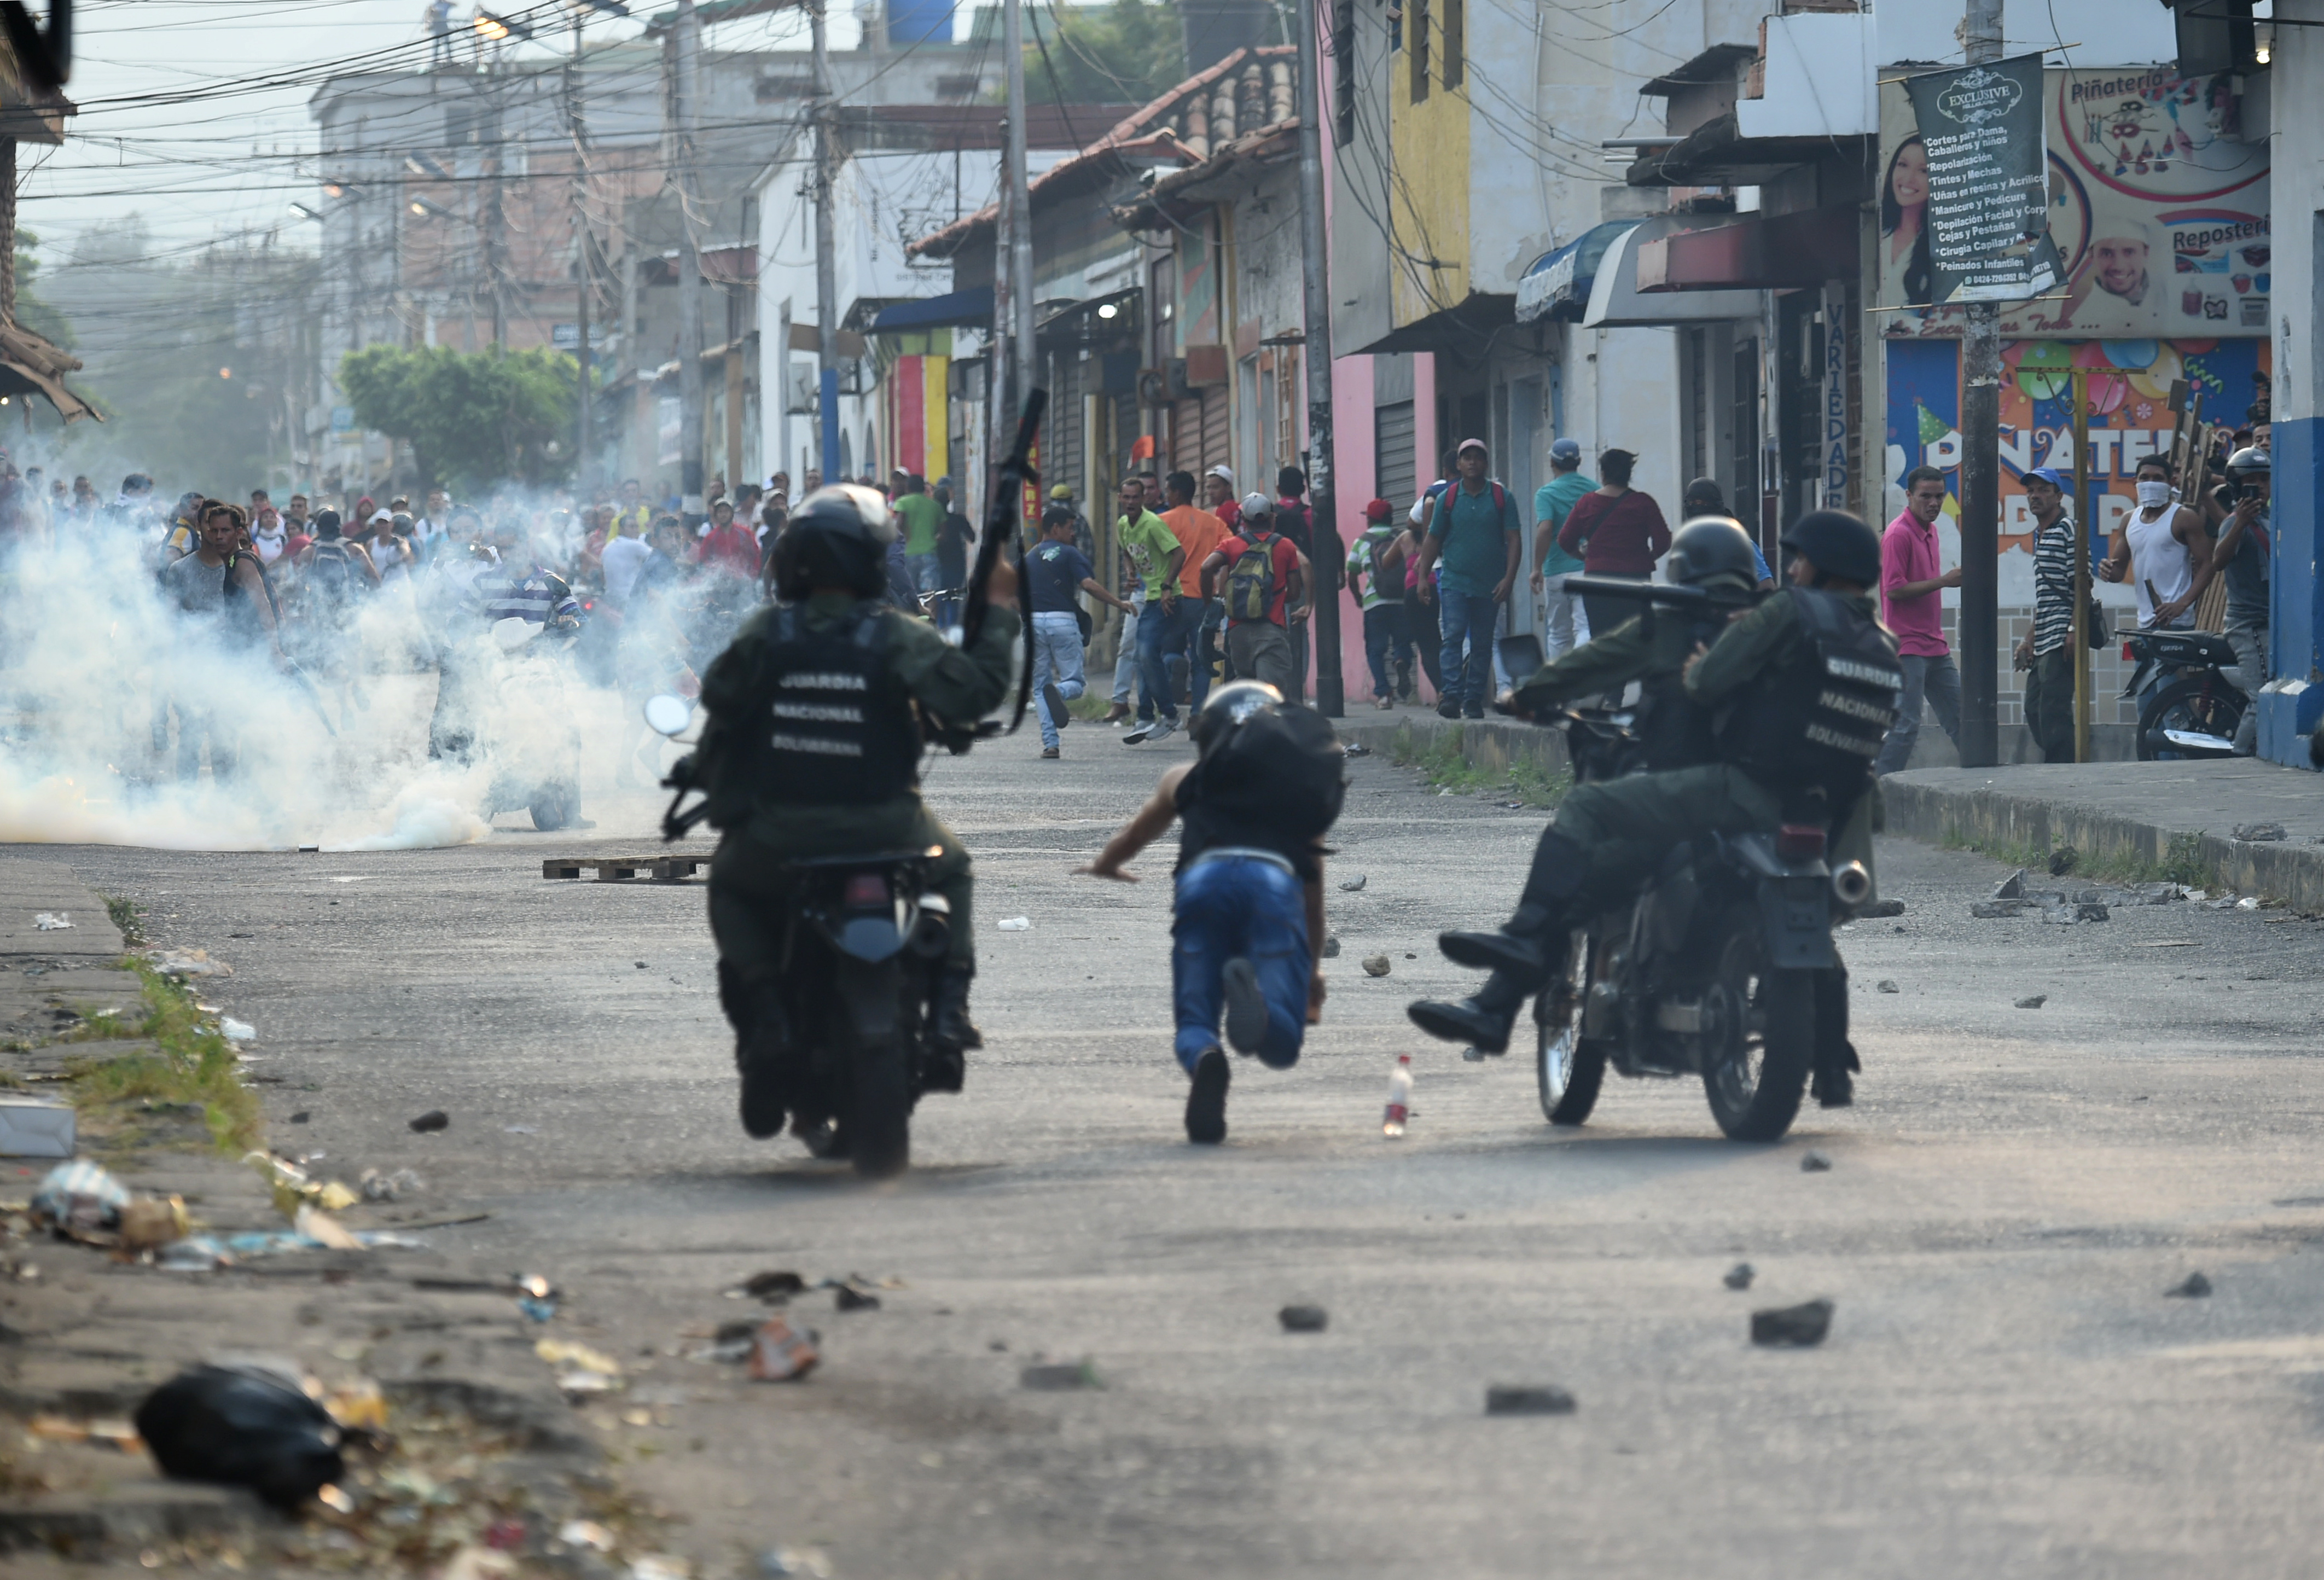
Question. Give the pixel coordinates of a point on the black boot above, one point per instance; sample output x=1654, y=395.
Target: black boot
x=1484, y=1020
x=1495, y=951
x=944, y=1069
x=754, y=1007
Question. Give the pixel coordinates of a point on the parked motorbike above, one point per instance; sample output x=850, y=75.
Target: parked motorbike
x=2193, y=709
x=863, y=944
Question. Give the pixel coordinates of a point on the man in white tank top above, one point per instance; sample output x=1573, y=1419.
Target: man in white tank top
x=2160, y=547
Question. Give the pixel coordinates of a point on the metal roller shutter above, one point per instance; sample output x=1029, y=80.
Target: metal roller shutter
x=1392, y=435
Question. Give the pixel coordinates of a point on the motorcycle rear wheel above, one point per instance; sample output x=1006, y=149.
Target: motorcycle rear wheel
x=880, y=1126
x=1755, y=1079
x=2189, y=703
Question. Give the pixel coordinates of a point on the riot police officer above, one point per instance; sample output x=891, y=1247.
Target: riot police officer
x=1801, y=689
x=850, y=687
x=1711, y=552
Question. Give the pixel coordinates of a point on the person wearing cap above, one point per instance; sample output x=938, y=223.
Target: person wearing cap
x=1219, y=496
x=2046, y=651
x=1062, y=494
x=1475, y=544
x=1256, y=574
x=1375, y=576
x=1617, y=531
x=1564, y=626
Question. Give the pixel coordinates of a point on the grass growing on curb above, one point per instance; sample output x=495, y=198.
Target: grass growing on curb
x=128, y=915
x=1446, y=769
x=2181, y=862
x=191, y=1063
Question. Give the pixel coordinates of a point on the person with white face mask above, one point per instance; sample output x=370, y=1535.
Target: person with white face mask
x=2164, y=549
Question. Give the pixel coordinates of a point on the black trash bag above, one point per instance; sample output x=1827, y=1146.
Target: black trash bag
x=245, y=1428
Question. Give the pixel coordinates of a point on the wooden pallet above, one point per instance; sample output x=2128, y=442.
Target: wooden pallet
x=626, y=869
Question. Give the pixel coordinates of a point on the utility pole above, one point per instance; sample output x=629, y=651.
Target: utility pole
x=685, y=39
x=1016, y=194
x=1315, y=300
x=826, y=265
x=585, y=277
x=1979, y=625
x=495, y=216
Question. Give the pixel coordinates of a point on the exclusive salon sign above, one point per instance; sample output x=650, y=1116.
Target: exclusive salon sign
x=1987, y=217
x=1981, y=95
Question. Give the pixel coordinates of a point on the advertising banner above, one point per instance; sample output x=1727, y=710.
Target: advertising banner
x=2157, y=208
x=1986, y=220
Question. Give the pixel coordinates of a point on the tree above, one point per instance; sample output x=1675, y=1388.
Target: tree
x=473, y=417
x=1129, y=52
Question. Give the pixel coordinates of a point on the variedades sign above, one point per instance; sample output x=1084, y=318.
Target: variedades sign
x=1988, y=225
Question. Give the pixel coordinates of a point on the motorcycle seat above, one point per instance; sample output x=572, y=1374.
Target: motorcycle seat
x=2189, y=647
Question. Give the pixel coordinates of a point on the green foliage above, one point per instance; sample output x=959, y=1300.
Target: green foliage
x=190, y=1064
x=128, y=915
x=2183, y=861
x=1448, y=768
x=472, y=418
x=1128, y=52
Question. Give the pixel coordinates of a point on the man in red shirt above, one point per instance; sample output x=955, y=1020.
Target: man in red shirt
x=1616, y=532
x=1257, y=572
x=728, y=548
x=1913, y=579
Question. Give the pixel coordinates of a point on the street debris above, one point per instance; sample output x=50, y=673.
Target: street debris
x=1815, y=1162
x=1873, y=910
x=151, y=1222
x=2062, y=860
x=853, y=1294
x=2034, y=1001
x=35, y=1127
x=1886, y=986
x=1740, y=1276
x=778, y=1562
x=1376, y=966
x=183, y=963
x=2259, y=833
x=1017, y=924
x=2012, y=887
x=2091, y=910
x=1504, y=1398
x=1798, y=1326
x=1357, y=749
x=301, y=1117
x=1059, y=1378
x=376, y=1187
x=2196, y=1286
x=234, y=1031
x=1303, y=1319
x=1331, y=947
x=774, y=1287
x=435, y=1119
x=1996, y=910
x=243, y=1427
x=78, y=1199
x=780, y=1353
x=2249, y=902
x=51, y=922
x=1355, y=885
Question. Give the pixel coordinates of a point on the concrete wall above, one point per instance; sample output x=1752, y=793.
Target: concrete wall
x=2292, y=707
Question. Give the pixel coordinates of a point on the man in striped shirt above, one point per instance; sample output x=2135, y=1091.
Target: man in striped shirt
x=2047, y=652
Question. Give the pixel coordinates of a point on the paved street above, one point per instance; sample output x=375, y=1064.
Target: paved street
x=2006, y=1389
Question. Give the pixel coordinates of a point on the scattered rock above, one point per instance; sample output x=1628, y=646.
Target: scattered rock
x=2258, y=833
x=1503, y=1398
x=1815, y=1162
x=1875, y=908
x=2196, y=1286
x=2012, y=887
x=773, y=1287
x=780, y=1353
x=1410, y=955
x=1332, y=948
x=1060, y=1379
x=2249, y=902
x=1355, y=885
x=2091, y=910
x=849, y=1297
x=301, y=1117
x=640, y=964
x=1303, y=1319
x=2034, y=1001
x=1740, y=1276
x=2062, y=860
x=2058, y=915
x=1376, y=966
x=433, y=1120
x=1886, y=986
x=1995, y=909
x=1356, y=748
x=1795, y=1326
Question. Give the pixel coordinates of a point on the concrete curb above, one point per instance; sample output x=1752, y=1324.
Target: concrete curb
x=1493, y=744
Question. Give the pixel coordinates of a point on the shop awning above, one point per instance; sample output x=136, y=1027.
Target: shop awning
x=1771, y=252
x=1616, y=303
x=1557, y=286
x=953, y=309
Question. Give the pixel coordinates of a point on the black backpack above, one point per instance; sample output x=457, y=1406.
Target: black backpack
x=1282, y=768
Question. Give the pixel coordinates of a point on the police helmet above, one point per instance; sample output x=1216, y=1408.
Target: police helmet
x=1228, y=706
x=1711, y=546
x=1838, y=544
x=2251, y=461
x=838, y=537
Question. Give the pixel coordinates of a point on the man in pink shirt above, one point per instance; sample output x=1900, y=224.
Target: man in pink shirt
x=1913, y=579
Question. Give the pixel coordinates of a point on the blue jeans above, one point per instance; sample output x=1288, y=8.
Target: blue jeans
x=926, y=571
x=1466, y=617
x=1931, y=676
x=1163, y=635
x=1125, y=662
x=1056, y=655
x=1385, y=642
x=1239, y=906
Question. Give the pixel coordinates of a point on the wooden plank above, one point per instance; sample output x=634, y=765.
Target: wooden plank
x=559, y=867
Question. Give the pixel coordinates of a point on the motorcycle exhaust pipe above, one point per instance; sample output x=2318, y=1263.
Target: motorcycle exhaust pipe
x=1851, y=884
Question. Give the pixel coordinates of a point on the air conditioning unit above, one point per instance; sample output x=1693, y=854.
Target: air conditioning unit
x=1158, y=386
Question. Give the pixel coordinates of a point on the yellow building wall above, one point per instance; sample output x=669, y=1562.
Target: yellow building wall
x=1428, y=190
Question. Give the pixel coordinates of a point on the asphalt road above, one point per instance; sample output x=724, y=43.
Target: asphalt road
x=2006, y=1389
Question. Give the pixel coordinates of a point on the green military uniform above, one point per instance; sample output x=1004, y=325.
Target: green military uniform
x=747, y=885
x=1652, y=650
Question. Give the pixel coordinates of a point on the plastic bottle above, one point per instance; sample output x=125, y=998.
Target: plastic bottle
x=1399, y=1097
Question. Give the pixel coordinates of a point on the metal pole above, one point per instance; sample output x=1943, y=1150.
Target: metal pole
x=826, y=266
x=686, y=38
x=1980, y=619
x=1315, y=300
x=1019, y=198
x=585, y=278
x=2081, y=380
x=496, y=226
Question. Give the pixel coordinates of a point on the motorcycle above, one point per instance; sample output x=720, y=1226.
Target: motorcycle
x=862, y=945
x=525, y=712
x=2195, y=711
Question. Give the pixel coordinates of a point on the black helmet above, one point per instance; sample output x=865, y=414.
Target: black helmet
x=2250, y=460
x=1837, y=544
x=837, y=536
x=1711, y=546
x=1228, y=706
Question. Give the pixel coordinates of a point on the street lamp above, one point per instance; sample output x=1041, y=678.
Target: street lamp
x=497, y=28
x=303, y=212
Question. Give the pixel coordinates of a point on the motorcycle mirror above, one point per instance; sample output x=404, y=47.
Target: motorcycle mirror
x=667, y=715
x=512, y=633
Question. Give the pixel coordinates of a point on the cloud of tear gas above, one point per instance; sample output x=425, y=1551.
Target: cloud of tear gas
x=124, y=720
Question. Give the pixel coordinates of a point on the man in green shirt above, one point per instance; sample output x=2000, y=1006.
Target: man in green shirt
x=922, y=516
x=1151, y=556
x=1564, y=626
x=1474, y=543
